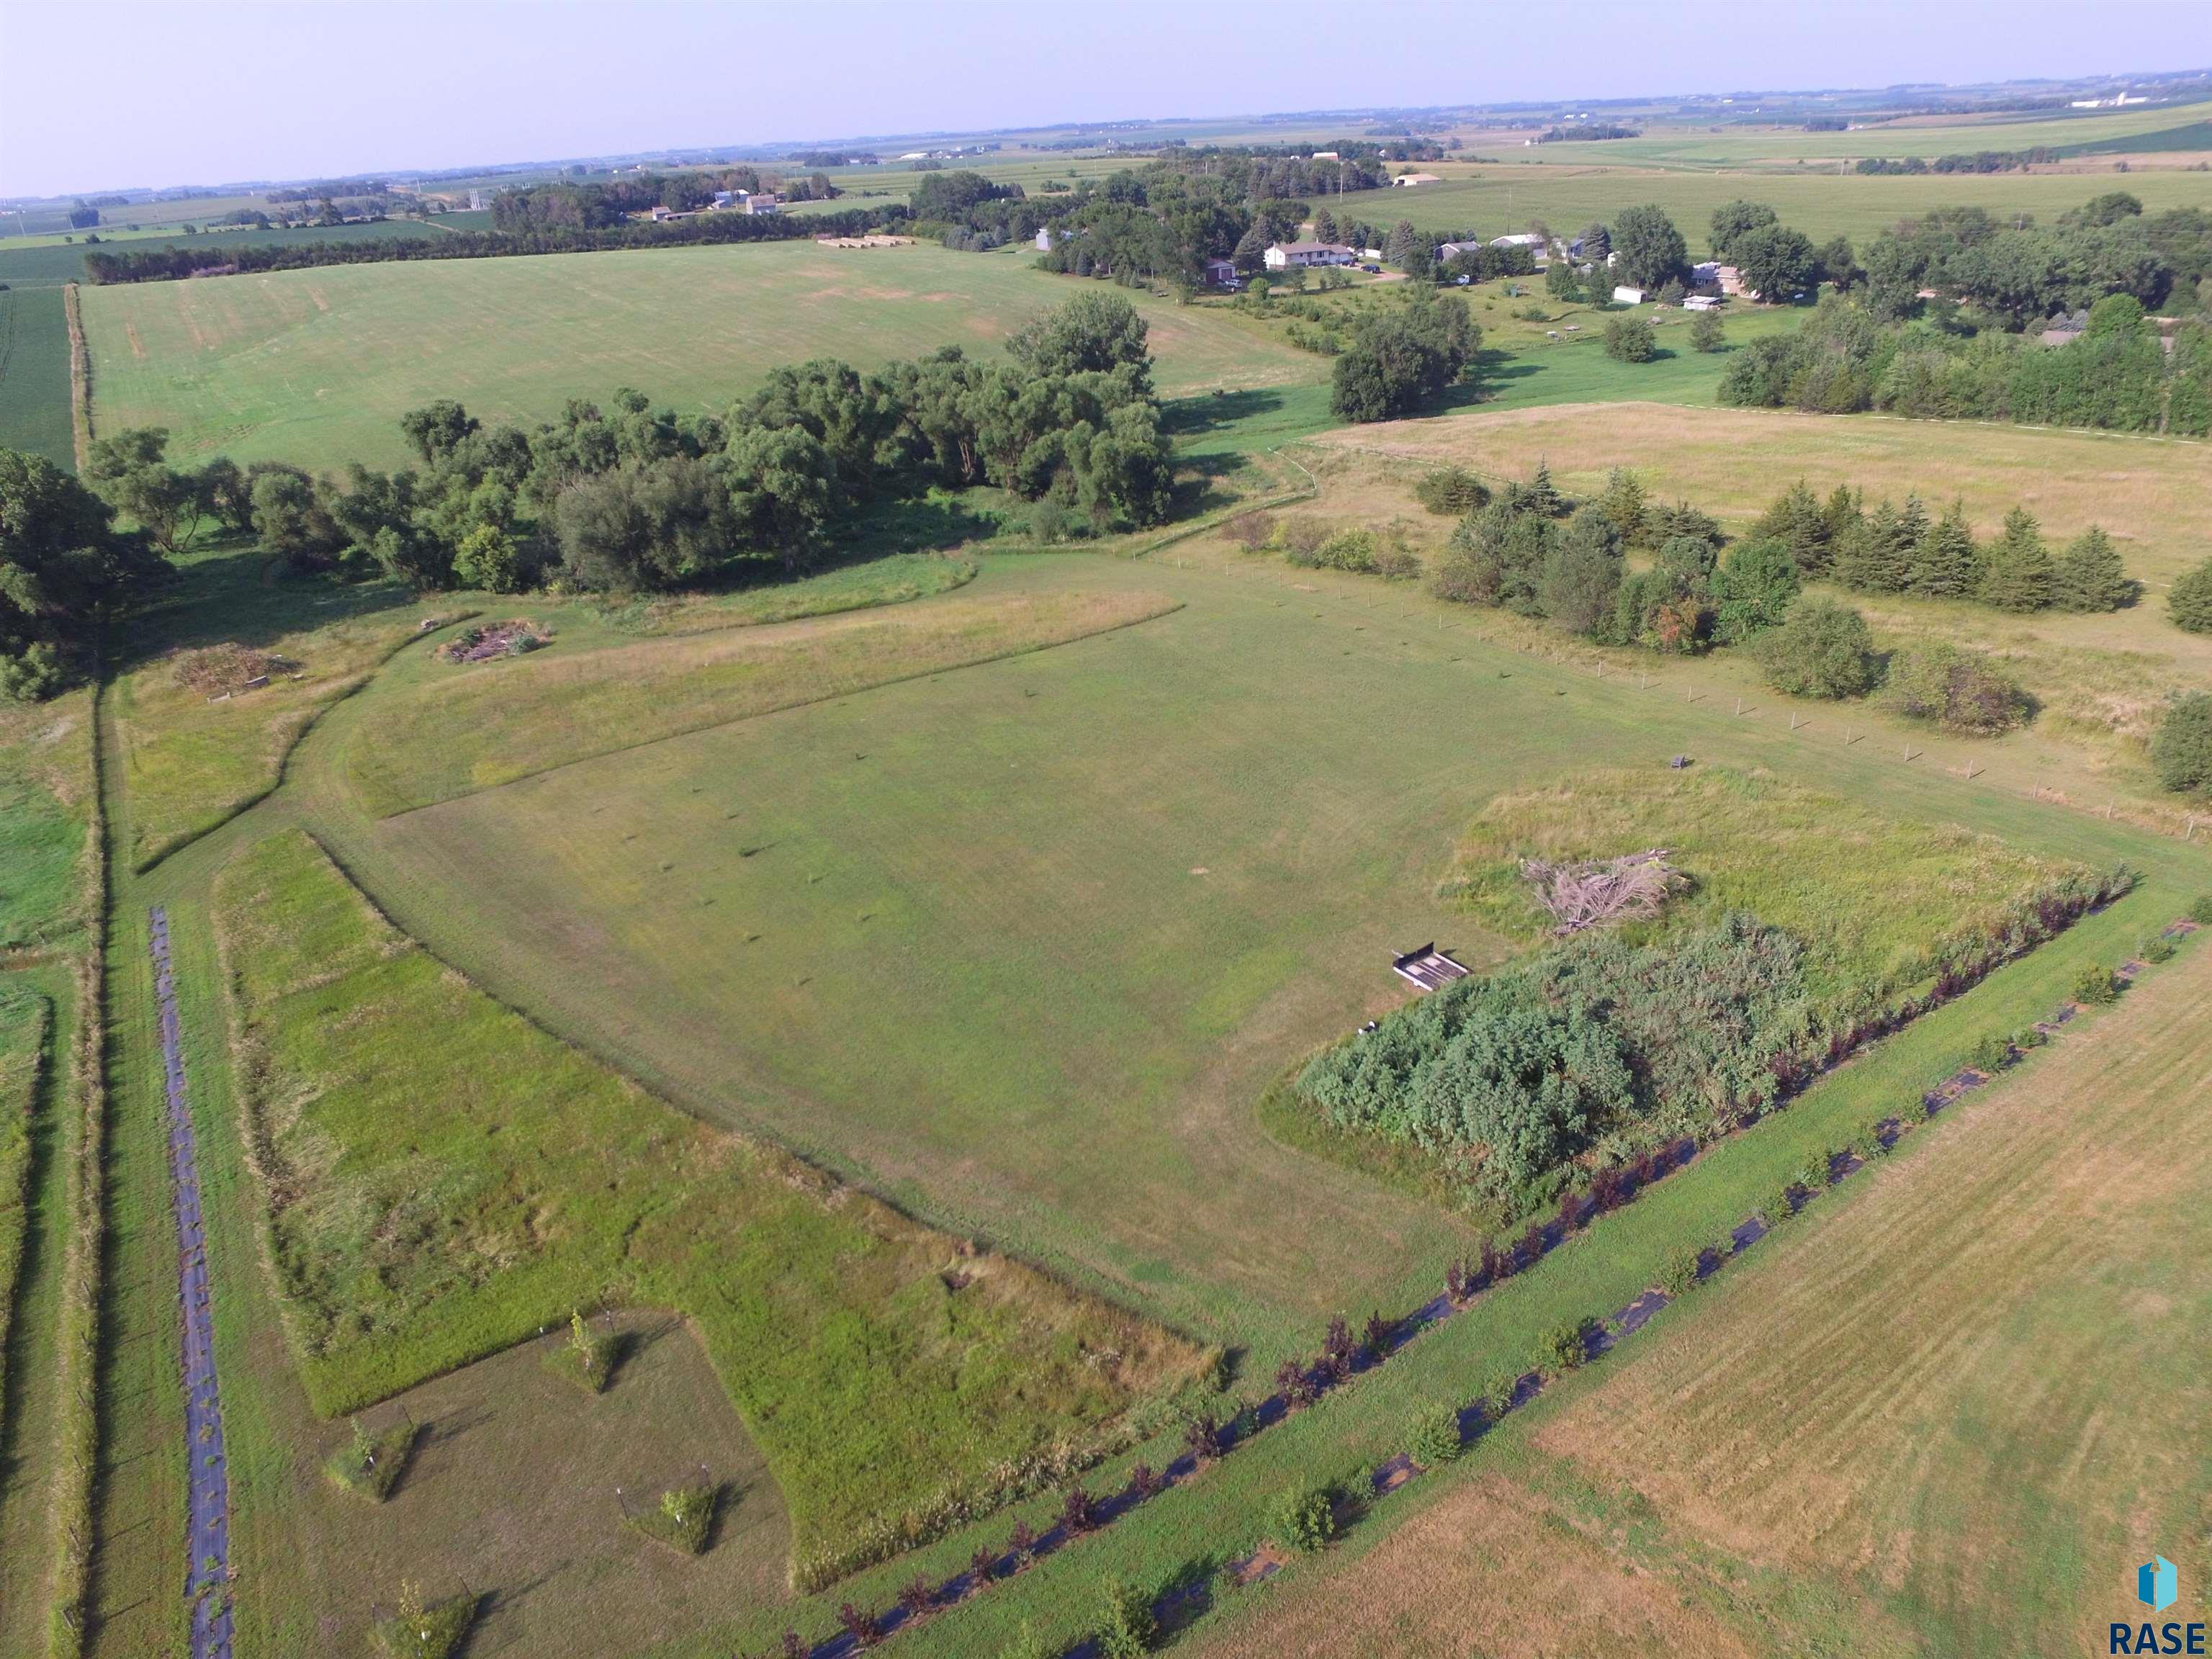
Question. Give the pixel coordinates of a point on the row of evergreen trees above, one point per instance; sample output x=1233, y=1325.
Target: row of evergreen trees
x=1904, y=549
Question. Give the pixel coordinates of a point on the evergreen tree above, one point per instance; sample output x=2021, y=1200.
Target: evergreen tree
x=1398, y=245
x=1251, y=253
x=2019, y=573
x=1796, y=521
x=1946, y=564
x=1879, y=559
x=1843, y=515
x=1624, y=502
x=2189, y=603
x=2088, y=575
x=1580, y=574
x=1324, y=224
x=1540, y=496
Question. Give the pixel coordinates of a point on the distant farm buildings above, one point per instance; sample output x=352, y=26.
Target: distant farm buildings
x=1408, y=180
x=1625, y=295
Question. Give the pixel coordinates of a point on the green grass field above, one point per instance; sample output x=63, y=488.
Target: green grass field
x=1019, y=945
x=34, y=375
x=25, y=1019
x=1495, y=200
x=316, y=366
x=413, y=1233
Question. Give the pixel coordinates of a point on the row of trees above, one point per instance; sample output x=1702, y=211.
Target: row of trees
x=65, y=570
x=631, y=497
x=164, y=263
x=2116, y=376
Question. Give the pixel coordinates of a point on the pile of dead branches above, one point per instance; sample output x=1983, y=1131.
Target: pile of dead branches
x=1599, y=891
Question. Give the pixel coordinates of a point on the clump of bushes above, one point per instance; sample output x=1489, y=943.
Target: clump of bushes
x=371, y=1464
x=588, y=1358
x=1436, y=1437
x=1630, y=340
x=2181, y=747
x=1684, y=1270
x=1962, y=692
x=1991, y=1055
x=1305, y=1517
x=2095, y=986
x=2189, y=601
x=2157, y=948
x=1450, y=491
x=682, y=1519
x=1250, y=531
x=2200, y=910
x=1822, y=649
x=1568, y=1348
x=425, y=1630
x=1782, y=1207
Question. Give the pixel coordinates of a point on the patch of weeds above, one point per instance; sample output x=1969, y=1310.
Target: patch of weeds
x=683, y=1519
x=371, y=1464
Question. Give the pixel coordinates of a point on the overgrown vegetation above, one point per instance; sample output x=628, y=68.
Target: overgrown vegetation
x=412, y=1233
x=371, y=1463
x=1692, y=1022
x=683, y=1518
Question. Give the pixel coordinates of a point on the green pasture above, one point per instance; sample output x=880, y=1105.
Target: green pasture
x=1493, y=201
x=316, y=366
x=42, y=261
x=1021, y=944
x=34, y=375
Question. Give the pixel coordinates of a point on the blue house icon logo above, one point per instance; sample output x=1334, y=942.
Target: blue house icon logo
x=2156, y=1586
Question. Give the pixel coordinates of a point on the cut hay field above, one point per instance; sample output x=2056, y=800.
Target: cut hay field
x=316, y=366
x=1493, y=201
x=34, y=375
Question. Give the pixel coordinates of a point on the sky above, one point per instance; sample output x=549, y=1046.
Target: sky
x=113, y=94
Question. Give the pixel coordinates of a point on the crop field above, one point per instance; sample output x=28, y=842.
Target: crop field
x=318, y=365
x=43, y=262
x=1493, y=201
x=34, y=375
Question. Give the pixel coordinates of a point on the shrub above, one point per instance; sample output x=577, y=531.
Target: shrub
x=1249, y=530
x=1963, y=692
x=1870, y=1144
x=860, y=1625
x=983, y=1565
x=2095, y=986
x=1078, y=1511
x=1305, y=1517
x=2189, y=602
x=1436, y=1437
x=1992, y=1056
x=1027, y=1644
x=2090, y=576
x=2200, y=911
x=1021, y=1545
x=431, y=1631
x=1450, y=491
x=1630, y=340
x=2181, y=747
x=1397, y=563
x=1568, y=1348
x=917, y=1598
x=1202, y=1436
x=682, y=1520
x=2157, y=948
x=1822, y=649
x=1782, y=1207
x=1300, y=539
x=371, y=1464
x=1681, y=1271
x=1705, y=332
x=2032, y=1037
x=1350, y=550
x=587, y=1359
x=1126, y=1628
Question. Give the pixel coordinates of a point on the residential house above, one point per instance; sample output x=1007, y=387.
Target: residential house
x=762, y=201
x=1286, y=256
x=1731, y=282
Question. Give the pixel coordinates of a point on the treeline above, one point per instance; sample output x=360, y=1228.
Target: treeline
x=2117, y=375
x=162, y=263
x=2013, y=273
x=65, y=569
x=564, y=204
x=633, y=498
x=1577, y=135
x=1980, y=161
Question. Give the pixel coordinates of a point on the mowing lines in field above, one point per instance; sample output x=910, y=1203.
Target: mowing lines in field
x=34, y=375
x=210, y=1477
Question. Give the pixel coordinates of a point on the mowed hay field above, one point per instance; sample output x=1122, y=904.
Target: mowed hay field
x=316, y=367
x=34, y=375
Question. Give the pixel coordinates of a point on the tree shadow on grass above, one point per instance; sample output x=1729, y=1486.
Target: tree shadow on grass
x=1216, y=411
x=234, y=594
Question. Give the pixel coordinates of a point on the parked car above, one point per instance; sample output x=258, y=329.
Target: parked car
x=1372, y=270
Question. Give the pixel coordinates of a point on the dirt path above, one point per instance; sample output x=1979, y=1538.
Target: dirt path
x=208, y=1577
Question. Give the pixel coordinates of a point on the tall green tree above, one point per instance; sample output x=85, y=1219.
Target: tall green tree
x=1652, y=252
x=1946, y=564
x=64, y=572
x=2090, y=576
x=2017, y=574
x=2189, y=603
x=1753, y=587
x=1796, y=521
x=1732, y=220
x=1582, y=573
x=1879, y=559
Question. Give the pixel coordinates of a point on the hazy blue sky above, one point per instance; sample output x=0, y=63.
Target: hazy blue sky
x=95, y=94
